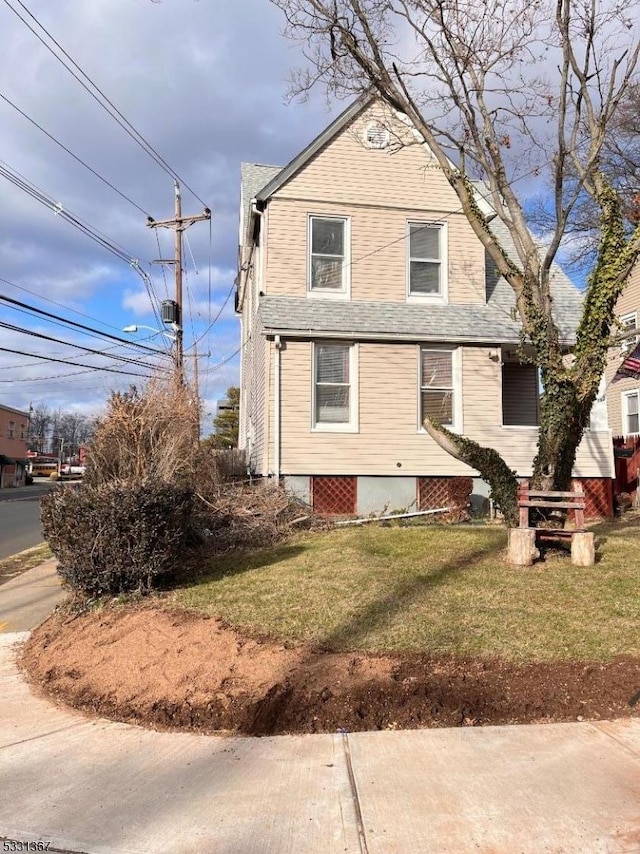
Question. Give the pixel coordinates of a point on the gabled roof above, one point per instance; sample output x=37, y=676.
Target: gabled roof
x=353, y=110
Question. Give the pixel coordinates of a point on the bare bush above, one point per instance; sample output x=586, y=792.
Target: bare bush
x=244, y=516
x=147, y=434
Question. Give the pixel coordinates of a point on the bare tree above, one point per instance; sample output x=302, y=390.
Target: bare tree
x=502, y=91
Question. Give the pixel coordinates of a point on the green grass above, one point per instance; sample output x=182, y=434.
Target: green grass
x=434, y=589
x=21, y=562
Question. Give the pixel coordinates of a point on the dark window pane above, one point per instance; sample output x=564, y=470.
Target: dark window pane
x=437, y=369
x=424, y=241
x=327, y=236
x=326, y=273
x=332, y=365
x=520, y=392
x=424, y=277
x=438, y=405
x=332, y=404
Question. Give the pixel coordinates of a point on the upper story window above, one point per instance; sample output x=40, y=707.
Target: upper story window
x=426, y=265
x=437, y=392
x=629, y=322
x=520, y=395
x=630, y=413
x=328, y=251
x=334, y=387
x=23, y=432
x=11, y=433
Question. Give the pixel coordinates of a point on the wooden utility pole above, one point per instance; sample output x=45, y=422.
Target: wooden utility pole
x=179, y=223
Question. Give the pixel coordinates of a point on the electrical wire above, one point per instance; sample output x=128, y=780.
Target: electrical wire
x=75, y=364
x=216, y=318
x=73, y=155
x=102, y=240
x=12, y=328
x=100, y=97
x=93, y=333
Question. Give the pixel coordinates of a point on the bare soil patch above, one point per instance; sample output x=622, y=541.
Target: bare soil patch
x=187, y=671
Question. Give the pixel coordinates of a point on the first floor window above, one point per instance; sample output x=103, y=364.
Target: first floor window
x=630, y=412
x=436, y=386
x=520, y=395
x=333, y=384
x=327, y=243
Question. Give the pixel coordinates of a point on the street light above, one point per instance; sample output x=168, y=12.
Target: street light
x=134, y=328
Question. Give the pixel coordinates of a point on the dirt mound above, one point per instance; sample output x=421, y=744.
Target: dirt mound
x=180, y=670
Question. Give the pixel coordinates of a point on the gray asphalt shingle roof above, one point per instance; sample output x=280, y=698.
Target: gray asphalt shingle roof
x=253, y=177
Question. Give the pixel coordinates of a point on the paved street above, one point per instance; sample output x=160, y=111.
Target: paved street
x=20, y=526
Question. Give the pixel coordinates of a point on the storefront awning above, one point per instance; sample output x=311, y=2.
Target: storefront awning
x=6, y=461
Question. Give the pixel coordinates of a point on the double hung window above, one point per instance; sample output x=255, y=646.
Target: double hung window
x=328, y=239
x=426, y=269
x=630, y=413
x=437, y=400
x=334, y=386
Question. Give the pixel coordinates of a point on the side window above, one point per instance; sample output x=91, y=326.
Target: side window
x=328, y=239
x=630, y=413
x=334, y=386
x=437, y=386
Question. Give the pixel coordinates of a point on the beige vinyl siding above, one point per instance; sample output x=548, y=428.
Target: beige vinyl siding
x=346, y=170
x=377, y=261
x=388, y=419
x=628, y=302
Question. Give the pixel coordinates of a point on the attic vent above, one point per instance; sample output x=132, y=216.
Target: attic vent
x=377, y=135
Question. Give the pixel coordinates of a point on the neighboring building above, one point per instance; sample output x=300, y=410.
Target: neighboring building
x=366, y=301
x=14, y=431
x=623, y=395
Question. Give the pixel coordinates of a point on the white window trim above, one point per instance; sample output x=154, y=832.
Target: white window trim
x=443, y=296
x=629, y=344
x=352, y=426
x=624, y=405
x=456, y=376
x=330, y=293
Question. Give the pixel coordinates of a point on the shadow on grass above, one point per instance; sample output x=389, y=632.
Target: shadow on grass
x=278, y=707
x=207, y=567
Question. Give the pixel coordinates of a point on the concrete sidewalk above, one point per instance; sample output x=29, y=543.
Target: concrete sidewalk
x=87, y=785
x=29, y=598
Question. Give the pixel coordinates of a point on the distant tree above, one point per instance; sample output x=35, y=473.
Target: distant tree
x=227, y=421
x=40, y=424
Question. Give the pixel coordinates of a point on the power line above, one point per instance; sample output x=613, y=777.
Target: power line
x=75, y=364
x=87, y=329
x=102, y=240
x=12, y=328
x=100, y=98
x=216, y=318
x=71, y=154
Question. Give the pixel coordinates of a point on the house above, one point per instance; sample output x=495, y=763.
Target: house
x=366, y=302
x=14, y=430
x=623, y=394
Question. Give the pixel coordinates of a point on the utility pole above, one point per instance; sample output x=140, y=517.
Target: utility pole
x=179, y=223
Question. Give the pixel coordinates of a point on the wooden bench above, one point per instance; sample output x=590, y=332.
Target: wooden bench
x=523, y=540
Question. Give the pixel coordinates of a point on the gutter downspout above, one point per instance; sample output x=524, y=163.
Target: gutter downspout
x=276, y=406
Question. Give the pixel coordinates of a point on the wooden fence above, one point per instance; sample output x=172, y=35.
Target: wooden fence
x=231, y=464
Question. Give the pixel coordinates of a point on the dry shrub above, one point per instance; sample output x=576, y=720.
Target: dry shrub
x=117, y=537
x=147, y=434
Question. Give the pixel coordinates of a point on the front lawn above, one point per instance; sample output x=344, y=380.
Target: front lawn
x=439, y=590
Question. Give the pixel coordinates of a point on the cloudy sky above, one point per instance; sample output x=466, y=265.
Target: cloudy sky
x=204, y=82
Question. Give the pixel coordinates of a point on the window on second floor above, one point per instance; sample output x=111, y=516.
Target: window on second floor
x=628, y=322
x=426, y=263
x=437, y=393
x=630, y=413
x=328, y=250
x=11, y=432
x=334, y=387
x=23, y=432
